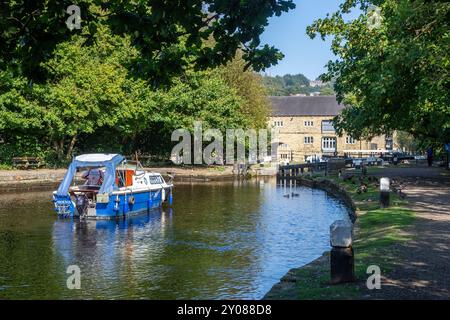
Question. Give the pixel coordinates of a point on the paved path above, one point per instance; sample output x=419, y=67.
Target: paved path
x=423, y=270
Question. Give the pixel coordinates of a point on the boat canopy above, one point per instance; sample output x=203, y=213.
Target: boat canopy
x=107, y=160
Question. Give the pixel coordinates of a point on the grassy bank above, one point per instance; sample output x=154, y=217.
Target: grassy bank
x=377, y=231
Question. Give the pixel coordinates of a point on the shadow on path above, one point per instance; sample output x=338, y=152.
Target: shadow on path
x=423, y=270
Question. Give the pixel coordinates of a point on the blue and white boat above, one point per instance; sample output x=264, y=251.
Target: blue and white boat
x=114, y=188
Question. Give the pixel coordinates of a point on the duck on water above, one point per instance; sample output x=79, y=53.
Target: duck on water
x=114, y=187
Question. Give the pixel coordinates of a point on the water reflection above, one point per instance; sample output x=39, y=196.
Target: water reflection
x=230, y=239
x=104, y=250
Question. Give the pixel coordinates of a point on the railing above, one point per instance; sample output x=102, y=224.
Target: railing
x=294, y=170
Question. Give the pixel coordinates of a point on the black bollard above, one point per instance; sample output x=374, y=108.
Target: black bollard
x=342, y=265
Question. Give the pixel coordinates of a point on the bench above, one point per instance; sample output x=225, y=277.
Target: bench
x=27, y=162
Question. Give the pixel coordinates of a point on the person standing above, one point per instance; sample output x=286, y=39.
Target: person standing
x=430, y=156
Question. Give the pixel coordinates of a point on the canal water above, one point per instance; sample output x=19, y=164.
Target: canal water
x=220, y=240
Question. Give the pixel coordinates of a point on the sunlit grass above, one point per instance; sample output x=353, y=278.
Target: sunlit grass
x=377, y=231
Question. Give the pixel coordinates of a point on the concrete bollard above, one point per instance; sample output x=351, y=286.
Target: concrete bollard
x=384, y=192
x=342, y=265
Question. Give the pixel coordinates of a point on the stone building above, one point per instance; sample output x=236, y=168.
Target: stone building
x=305, y=130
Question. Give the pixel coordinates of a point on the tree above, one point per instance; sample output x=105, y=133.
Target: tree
x=393, y=74
x=87, y=89
x=326, y=91
x=168, y=34
x=248, y=85
x=89, y=103
x=406, y=142
x=99, y=88
x=287, y=85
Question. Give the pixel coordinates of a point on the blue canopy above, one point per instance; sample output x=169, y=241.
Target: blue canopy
x=108, y=160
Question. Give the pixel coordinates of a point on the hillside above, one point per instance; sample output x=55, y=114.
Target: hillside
x=288, y=84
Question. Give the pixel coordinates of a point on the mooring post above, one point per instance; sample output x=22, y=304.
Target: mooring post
x=342, y=265
x=384, y=192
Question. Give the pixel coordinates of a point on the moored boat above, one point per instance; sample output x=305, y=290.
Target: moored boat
x=113, y=187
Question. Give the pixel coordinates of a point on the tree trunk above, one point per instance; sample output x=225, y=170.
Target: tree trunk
x=71, y=146
x=59, y=146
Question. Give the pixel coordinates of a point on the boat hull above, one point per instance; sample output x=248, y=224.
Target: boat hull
x=119, y=204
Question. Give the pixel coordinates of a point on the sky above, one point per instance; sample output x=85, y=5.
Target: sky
x=288, y=33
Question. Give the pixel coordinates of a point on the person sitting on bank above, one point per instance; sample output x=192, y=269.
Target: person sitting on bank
x=94, y=177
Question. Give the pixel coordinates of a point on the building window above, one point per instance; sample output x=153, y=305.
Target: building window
x=373, y=146
x=327, y=126
x=284, y=146
x=309, y=140
x=309, y=123
x=283, y=156
x=349, y=140
x=329, y=144
x=278, y=123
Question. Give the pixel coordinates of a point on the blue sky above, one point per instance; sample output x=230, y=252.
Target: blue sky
x=288, y=33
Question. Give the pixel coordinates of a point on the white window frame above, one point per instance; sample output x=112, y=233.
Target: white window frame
x=329, y=144
x=278, y=123
x=309, y=123
x=350, y=140
x=308, y=140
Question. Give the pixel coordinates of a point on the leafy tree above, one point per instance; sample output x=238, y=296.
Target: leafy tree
x=327, y=91
x=200, y=96
x=407, y=142
x=249, y=87
x=88, y=89
x=168, y=34
x=97, y=89
x=290, y=85
x=89, y=103
x=275, y=85
x=393, y=74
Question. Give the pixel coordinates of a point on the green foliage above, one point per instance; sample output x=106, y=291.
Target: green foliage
x=327, y=91
x=91, y=103
x=286, y=85
x=378, y=233
x=249, y=86
x=406, y=141
x=133, y=73
x=168, y=34
x=293, y=84
x=200, y=96
x=394, y=77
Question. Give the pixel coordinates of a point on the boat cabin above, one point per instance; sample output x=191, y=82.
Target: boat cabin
x=111, y=186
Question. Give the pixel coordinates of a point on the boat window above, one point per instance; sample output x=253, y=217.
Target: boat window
x=155, y=180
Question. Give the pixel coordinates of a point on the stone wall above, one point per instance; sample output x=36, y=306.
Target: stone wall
x=295, y=128
x=287, y=284
x=30, y=179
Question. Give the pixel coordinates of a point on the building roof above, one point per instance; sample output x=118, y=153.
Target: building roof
x=305, y=106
